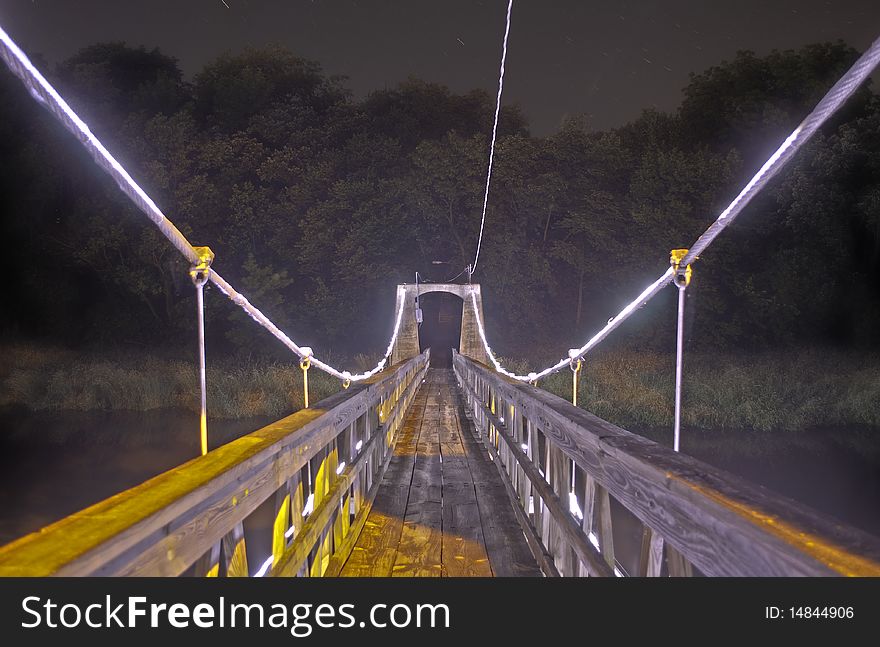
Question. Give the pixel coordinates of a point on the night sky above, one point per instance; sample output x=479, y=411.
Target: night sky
x=605, y=59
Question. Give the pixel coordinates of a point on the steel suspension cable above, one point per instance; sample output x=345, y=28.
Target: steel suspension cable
x=473, y=267
x=46, y=95
x=830, y=103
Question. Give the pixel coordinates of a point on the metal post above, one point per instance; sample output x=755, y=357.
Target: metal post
x=199, y=274
x=304, y=365
x=418, y=307
x=682, y=279
x=575, y=364
x=203, y=419
x=678, y=365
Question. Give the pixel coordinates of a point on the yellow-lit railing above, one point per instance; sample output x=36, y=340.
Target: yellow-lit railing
x=322, y=465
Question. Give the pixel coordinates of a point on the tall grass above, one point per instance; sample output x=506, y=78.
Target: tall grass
x=778, y=391
x=768, y=391
x=52, y=379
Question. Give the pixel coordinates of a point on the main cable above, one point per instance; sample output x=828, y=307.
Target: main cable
x=494, y=133
x=46, y=95
x=830, y=103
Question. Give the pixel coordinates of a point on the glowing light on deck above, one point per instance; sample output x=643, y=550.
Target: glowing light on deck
x=264, y=568
x=573, y=506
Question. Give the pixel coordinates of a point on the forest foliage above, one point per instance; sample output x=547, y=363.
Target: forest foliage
x=317, y=204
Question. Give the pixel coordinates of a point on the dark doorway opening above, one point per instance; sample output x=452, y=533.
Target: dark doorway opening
x=441, y=326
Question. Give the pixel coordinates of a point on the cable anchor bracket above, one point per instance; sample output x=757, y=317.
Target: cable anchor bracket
x=201, y=271
x=682, y=275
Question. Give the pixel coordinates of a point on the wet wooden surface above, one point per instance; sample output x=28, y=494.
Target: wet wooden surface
x=441, y=510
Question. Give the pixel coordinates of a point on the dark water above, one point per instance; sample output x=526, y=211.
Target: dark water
x=836, y=472
x=835, y=480
x=52, y=465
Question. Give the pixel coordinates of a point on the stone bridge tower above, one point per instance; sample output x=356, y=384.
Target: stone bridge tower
x=470, y=344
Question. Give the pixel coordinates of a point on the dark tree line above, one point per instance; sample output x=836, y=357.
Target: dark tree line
x=316, y=205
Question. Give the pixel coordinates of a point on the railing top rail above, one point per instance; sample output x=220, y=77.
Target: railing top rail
x=720, y=522
x=108, y=534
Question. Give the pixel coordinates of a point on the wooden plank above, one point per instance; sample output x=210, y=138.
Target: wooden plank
x=235, y=552
x=315, y=531
x=541, y=556
x=208, y=565
x=558, y=512
x=377, y=531
x=678, y=566
x=509, y=553
x=297, y=501
x=440, y=531
x=419, y=550
x=375, y=551
x=363, y=560
x=508, y=548
x=602, y=524
x=651, y=557
x=464, y=552
x=281, y=522
x=427, y=470
x=560, y=477
x=721, y=524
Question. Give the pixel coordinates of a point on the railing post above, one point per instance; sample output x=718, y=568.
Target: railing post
x=602, y=510
x=235, y=552
x=282, y=522
x=208, y=565
x=651, y=557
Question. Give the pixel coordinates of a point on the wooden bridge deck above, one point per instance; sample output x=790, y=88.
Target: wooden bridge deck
x=441, y=509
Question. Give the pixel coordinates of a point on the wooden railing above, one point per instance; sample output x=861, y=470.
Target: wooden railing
x=564, y=468
x=323, y=466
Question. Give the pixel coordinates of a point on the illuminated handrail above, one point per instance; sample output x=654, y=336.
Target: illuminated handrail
x=323, y=466
x=563, y=467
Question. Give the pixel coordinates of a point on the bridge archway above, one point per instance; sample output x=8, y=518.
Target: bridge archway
x=440, y=329
x=409, y=340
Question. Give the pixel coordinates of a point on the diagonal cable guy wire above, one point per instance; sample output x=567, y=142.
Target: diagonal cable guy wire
x=829, y=104
x=494, y=134
x=43, y=92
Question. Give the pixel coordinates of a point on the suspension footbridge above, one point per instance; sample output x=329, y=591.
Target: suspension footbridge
x=414, y=470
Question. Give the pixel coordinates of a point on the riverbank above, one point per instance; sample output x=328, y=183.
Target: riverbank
x=52, y=379
x=774, y=391
x=766, y=392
